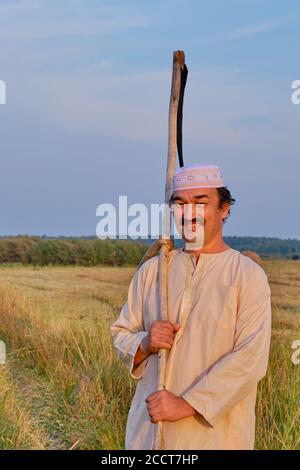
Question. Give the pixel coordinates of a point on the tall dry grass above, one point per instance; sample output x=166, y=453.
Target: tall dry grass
x=63, y=383
x=278, y=403
x=72, y=379
x=17, y=428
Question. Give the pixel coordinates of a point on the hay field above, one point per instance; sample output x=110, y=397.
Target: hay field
x=64, y=387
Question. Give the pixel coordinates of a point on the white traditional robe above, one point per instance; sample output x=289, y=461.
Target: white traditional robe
x=223, y=304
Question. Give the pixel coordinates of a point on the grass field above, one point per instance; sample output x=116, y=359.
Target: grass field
x=64, y=387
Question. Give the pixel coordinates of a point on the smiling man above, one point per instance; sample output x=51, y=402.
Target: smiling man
x=217, y=336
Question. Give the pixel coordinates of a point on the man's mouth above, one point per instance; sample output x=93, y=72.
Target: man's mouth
x=193, y=223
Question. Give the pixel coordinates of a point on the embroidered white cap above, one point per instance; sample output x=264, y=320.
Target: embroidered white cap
x=197, y=176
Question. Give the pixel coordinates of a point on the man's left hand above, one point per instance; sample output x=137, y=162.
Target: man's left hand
x=165, y=406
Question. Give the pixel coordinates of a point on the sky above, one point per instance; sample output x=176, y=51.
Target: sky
x=87, y=96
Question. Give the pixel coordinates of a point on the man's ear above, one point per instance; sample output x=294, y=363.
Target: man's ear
x=225, y=210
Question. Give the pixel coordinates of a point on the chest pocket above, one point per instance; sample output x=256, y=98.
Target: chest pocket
x=217, y=305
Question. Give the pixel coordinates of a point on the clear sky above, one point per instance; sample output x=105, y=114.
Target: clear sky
x=88, y=85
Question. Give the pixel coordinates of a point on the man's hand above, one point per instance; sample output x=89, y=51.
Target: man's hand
x=161, y=336
x=165, y=406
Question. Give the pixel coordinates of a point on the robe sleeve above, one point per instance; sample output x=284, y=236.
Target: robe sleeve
x=128, y=330
x=237, y=373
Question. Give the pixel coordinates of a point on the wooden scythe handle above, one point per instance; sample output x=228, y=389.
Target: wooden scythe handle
x=178, y=67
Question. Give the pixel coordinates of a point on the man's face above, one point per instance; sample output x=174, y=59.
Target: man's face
x=186, y=201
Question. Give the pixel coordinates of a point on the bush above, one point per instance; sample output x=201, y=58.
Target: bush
x=70, y=251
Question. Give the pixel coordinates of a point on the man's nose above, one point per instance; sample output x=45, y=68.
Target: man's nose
x=190, y=211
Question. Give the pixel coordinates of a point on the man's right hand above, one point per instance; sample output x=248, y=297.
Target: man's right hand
x=160, y=336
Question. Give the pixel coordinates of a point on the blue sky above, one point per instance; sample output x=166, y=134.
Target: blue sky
x=88, y=86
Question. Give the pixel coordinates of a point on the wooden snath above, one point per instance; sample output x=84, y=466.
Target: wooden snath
x=179, y=76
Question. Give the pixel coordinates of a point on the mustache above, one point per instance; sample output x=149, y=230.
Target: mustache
x=195, y=220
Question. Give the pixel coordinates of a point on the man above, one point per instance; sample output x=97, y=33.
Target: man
x=217, y=336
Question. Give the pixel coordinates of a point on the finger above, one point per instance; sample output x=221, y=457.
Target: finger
x=155, y=419
x=155, y=403
x=160, y=345
x=165, y=331
x=154, y=395
x=165, y=338
x=155, y=406
x=151, y=396
x=164, y=325
x=172, y=326
x=153, y=411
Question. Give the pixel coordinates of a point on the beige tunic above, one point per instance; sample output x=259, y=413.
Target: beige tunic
x=223, y=304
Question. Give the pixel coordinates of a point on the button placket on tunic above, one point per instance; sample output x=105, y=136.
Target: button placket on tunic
x=193, y=274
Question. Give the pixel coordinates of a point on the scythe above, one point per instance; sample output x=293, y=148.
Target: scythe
x=179, y=77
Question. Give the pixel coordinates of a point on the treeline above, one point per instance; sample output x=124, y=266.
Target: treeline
x=89, y=251
x=65, y=251
x=267, y=247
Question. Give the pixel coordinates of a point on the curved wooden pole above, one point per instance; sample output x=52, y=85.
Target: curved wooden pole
x=178, y=67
